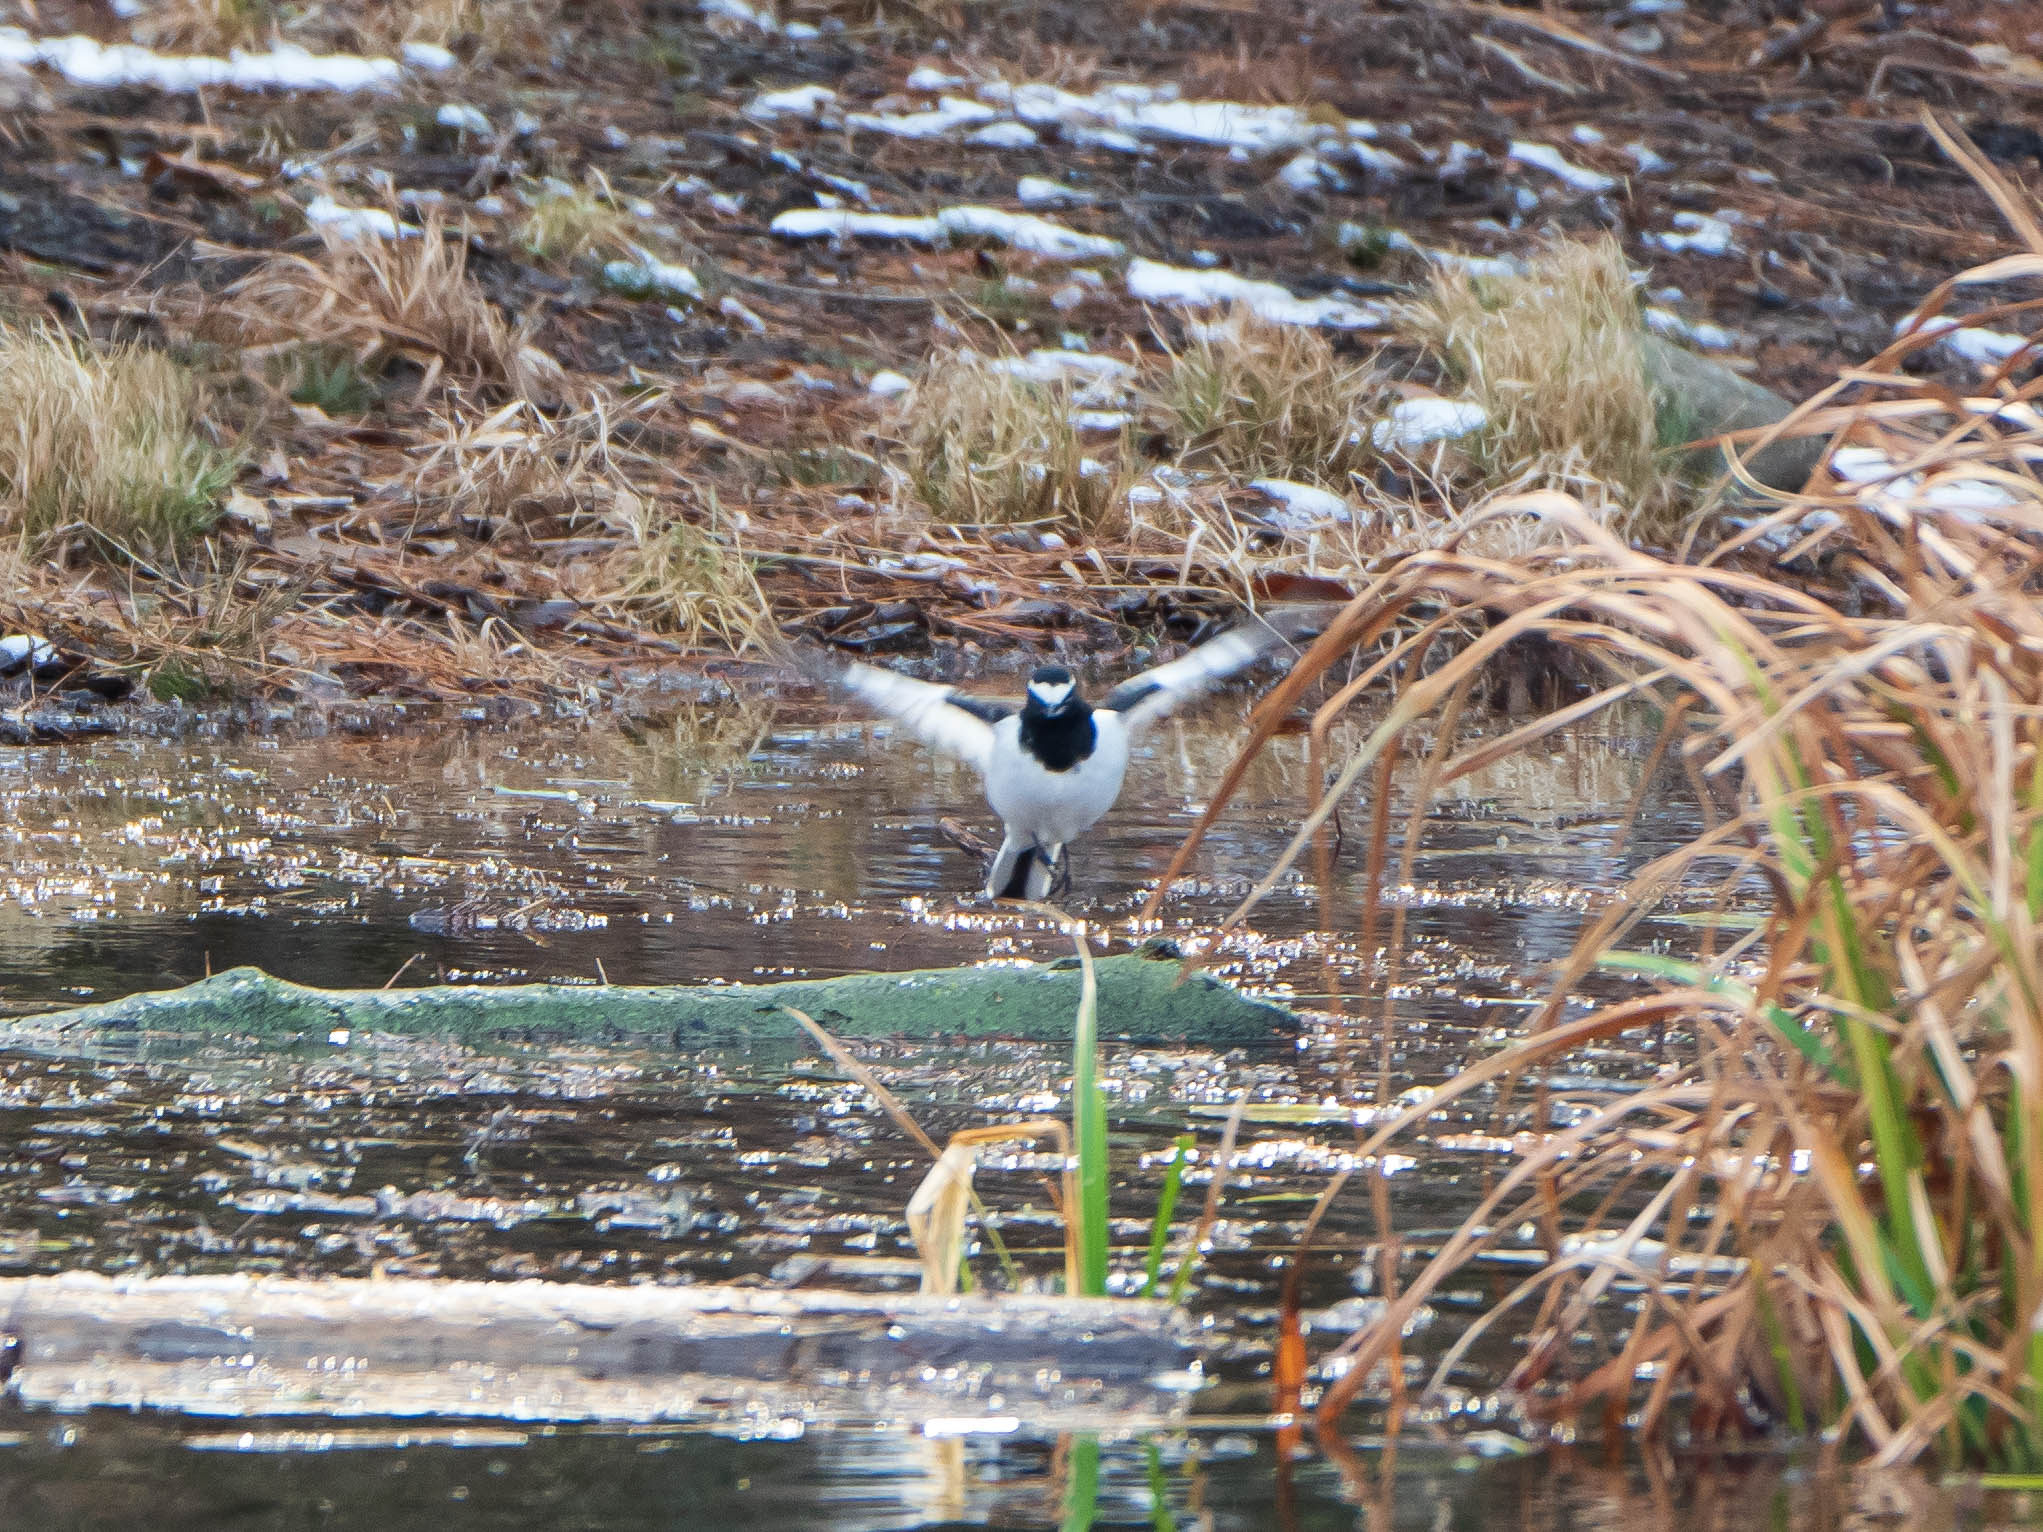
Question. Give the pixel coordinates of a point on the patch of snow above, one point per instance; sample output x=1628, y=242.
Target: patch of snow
x=1308, y=173
x=1700, y=333
x=1491, y=266
x=836, y=223
x=1584, y=133
x=463, y=119
x=740, y=12
x=1302, y=507
x=1004, y=135
x=886, y=385
x=1416, y=422
x=86, y=61
x=1981, y=347
x=1649, y=163
x=932, y=80
x=355, y=222
x=1554, y=163
x=795, y=101
x=1379, y=162
x=1122, y=116
x=1025, y=231
x=648, y=276
x=737, y=313
x=19, y=649
x=1698, y=234
x=1896, y=496
x=1051, y=364
x=1111, y=139
x=801, y=31
x=1040, y=191
x=1231, y=124
x=950, y=112
x=1154, y=282
x=1099, y=421
x=1461, y=159
x=427, y=56
x=857, y=191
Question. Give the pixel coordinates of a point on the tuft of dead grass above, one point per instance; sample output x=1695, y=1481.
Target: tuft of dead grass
x=383, y=302
x=988, y=447
x=111, y=439
x=564, y=222
x=688, y=577
x=1552, y=356
x=515, y=465
x=1266, y=400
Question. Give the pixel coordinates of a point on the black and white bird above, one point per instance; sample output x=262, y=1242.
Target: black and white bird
x=1052, y=765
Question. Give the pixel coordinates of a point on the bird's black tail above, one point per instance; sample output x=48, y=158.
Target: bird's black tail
x=1017, y=884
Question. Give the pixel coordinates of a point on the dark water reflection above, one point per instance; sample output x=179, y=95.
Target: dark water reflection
x=108, y=1471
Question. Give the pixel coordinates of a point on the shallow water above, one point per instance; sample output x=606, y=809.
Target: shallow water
x=753, y=846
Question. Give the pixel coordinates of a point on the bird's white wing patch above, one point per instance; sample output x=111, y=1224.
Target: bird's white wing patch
x=926, y=708
x=1142, y=699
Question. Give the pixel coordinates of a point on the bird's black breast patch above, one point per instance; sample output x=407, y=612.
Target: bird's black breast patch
x=1059, y=742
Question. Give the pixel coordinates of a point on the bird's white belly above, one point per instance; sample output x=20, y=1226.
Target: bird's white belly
x=1053, y=808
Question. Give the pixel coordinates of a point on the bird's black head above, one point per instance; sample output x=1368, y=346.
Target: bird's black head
x=1052, y=693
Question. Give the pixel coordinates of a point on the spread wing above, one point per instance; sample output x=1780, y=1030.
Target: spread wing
x=957, y=725
x=1141, y=700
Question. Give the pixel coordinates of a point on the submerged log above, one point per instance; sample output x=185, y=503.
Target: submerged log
x=257, y=1346
x=1141, y=1000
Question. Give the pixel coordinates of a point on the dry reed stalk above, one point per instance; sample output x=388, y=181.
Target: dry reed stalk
x=1829, y=1208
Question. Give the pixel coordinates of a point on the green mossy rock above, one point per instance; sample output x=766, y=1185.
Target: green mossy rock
x=1713, y=399
x=1141, y=1000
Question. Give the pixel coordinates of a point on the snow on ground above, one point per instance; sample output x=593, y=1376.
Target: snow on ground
x=1154, y=282
x=87, y=61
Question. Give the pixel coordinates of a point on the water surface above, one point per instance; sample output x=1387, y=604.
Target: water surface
x=737, y=846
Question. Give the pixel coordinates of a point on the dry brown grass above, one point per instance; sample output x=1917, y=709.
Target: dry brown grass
x=111, y=441
x=489, y=27
x=1266, y=400
x=1552, y=356
x=1824, y=1212
x=515, y=465
x=989, y=448
x=687, y=576
x=564, y=223
x=387, y=301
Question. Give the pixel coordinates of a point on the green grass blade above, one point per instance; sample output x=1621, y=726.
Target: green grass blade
x=1166, y=1205
x=1089, y=1132
x=1160, y=1518
x=1081, y=1484
x=1680, y=971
